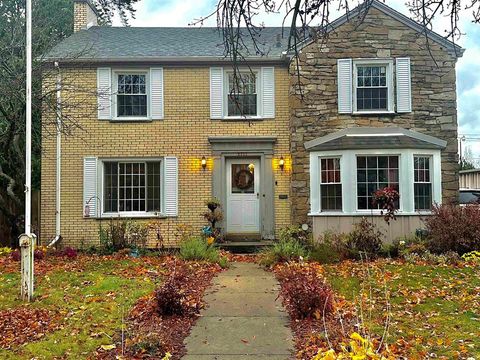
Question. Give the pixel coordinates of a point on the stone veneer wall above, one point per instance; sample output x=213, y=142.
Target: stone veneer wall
x=379, y=35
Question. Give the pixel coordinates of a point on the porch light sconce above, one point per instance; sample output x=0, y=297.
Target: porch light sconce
x=204, y=163
x=281, y=163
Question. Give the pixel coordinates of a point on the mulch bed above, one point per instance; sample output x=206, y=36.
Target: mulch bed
x=149, y=335
x=26, y=324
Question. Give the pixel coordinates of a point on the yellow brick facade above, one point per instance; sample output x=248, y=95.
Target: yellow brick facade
x=182, y=133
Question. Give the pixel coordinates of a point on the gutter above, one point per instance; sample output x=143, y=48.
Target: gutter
x=282, y=59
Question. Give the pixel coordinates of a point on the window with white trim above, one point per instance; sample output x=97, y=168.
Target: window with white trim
x=414, y=173
x=330, y=184
x=131, y=97
x=373, y=173
x=131, y=186
x=242, y=99
x=373, y=86
x=422, y=183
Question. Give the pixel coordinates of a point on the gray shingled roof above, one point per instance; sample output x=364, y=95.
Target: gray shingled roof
x=195, y=44
x=151, y=43
x=375, y=138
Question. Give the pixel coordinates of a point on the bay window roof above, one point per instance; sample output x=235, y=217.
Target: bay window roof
x=371, y=138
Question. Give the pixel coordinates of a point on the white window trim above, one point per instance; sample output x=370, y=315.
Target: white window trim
x=320, y=181
x=130, y=214
x=349, y=180
x=115, y=73
x=389, y=72
x=259, y=88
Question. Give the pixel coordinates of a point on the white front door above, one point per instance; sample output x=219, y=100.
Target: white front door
x=243, y=189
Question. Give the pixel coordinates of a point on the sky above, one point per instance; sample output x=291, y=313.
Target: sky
x=184, y=12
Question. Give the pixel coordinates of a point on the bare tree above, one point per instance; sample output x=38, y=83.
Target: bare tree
x=311, y=19
x=47, y=31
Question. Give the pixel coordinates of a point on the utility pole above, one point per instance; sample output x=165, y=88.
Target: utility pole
x=27, y=240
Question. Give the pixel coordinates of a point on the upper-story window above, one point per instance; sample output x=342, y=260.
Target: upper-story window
x=373, y=86
x=249, y=95
x=242, y=94
x=131, y=96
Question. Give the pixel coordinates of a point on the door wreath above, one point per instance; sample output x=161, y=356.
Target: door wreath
x=243, y=179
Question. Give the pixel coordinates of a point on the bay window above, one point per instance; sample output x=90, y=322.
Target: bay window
x=344, y=181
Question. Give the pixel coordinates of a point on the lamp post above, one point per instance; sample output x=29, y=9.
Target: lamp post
x=27, y=240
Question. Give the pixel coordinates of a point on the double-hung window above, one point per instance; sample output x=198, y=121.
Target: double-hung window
x=373, y=86
x=330, y=184
x=242, y=99
x=132, y=187
x=131, y=95
x=373, y=173
x=422, y=183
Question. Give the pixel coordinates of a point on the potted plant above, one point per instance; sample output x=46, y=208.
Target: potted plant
x=212, y=204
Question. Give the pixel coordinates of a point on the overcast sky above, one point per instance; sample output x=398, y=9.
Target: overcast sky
x=183, y=12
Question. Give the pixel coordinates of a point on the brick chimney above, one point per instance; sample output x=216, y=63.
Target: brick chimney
x=85, y=15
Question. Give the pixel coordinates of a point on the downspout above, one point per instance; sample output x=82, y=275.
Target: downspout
x=58, y=156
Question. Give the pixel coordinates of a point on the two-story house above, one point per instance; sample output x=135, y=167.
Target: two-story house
x=161, y=126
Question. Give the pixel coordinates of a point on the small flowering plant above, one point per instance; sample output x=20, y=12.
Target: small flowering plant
x=386, y=199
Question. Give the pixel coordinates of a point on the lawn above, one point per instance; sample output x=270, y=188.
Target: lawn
x=83, y=301
x=435, y=310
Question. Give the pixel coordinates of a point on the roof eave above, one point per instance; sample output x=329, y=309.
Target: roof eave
x=166, y=59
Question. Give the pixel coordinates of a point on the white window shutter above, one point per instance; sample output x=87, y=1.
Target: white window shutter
x=171, y=185
x=90, y=200
x=268, y=92
x=104, y=93
x=404, y=87
x=156, y=93
x=216, y=92
x=344, y=78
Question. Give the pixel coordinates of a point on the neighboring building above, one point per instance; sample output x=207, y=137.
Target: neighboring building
x=148, y=106
x=469, y=179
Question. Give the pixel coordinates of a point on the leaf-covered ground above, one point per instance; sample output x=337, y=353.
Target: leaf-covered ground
x=80, y=305
x=431, y=311
x=435, y=309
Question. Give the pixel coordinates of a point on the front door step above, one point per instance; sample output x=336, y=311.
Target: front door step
x=239, y=237
x=245, y=247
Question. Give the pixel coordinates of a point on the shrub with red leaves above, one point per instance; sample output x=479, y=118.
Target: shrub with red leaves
x=453, y=228
x=305, y=294
x=69, y=252
x=38, y=255
x=171, y=298
x=387, y=200
x=15, y=255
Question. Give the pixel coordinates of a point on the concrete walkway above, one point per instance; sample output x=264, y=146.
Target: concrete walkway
x=243, y=319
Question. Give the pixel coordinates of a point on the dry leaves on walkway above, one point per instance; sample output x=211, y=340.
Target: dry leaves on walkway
x=150, y=335
x=25, y=324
